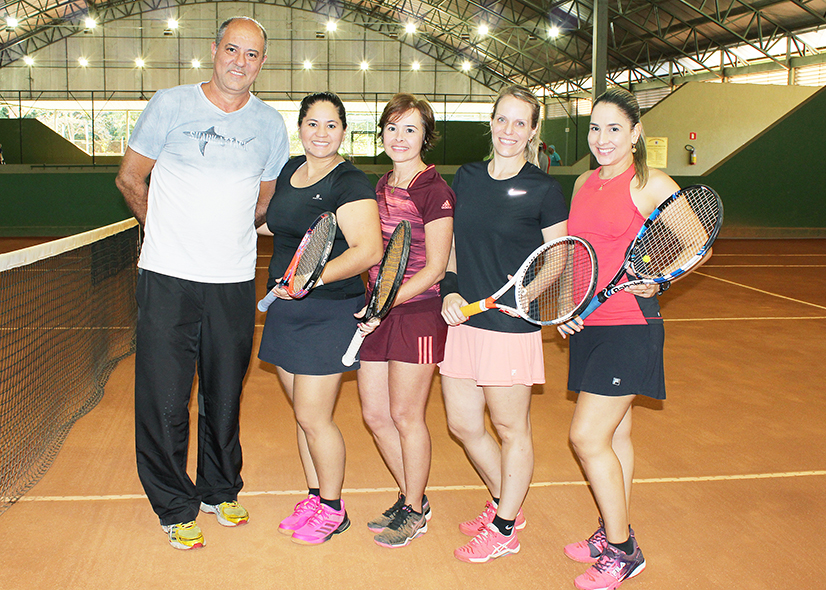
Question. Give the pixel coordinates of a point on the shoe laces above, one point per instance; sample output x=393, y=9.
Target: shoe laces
x=482, y=537
x=607, y=560
x=402, y=515
x=395, y=507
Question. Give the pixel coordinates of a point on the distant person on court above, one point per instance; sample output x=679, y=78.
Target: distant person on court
x=617, y=353
x=548, y=157
x=506, y=207
x=398, y=359
x=306, y=338
x=214, y=151
x=2, y=159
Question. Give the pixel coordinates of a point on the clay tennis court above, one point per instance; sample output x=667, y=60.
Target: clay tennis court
x=730, y=469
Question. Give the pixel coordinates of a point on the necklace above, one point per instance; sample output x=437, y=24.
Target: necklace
x=405, y=183
x=607, y=182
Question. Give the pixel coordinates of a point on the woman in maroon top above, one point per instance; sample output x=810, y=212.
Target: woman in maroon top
x=398, y=359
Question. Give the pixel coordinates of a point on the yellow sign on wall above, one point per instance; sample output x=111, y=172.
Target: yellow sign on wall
x=656, y=149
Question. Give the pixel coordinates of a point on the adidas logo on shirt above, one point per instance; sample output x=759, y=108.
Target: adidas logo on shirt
x=446, y=205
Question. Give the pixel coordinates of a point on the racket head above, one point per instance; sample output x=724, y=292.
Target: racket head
x=677, y=235
x=311, y=256
x=391, y=272
x=557, y=281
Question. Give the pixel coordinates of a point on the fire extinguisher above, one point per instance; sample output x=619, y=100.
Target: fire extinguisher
x=692, y=155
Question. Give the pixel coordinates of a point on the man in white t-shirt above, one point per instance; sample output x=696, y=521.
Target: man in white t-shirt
x=213, y=151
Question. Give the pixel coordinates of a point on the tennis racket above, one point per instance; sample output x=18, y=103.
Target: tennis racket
x=553, y=285
x=388, y=281
x=308, y=261
x=671, y=242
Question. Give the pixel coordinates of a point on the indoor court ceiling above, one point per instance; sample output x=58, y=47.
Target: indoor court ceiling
x=538, y=43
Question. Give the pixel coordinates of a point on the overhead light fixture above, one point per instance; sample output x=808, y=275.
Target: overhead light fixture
x=415, y=66
x=553, y=32
x=410, y=28
x=196, y=63
x=139, y=62
x=465, y=66
x=11, y=23
x=83, y=62
x=28, y=60
x=331, y=26
x=308, y=65
x=364, y=66
x=483, y=30
x=90, y=23
x=172, y=24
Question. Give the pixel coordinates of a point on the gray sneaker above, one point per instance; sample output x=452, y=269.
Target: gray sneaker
x=377, y=525
x=406, y=526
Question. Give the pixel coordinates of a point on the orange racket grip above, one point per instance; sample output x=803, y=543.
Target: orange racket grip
x=478, y=307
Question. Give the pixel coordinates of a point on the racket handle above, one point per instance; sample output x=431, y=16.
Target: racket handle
x=478, y=307
x=265, y=303
x=595, y=303
x=355, y=344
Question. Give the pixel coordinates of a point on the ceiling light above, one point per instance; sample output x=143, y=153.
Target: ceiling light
x=308, y=65
x=139, y=62
x=28, y=60
x=90, y=23
x=553, y=32
x=483, y=30
x=11, y=22
x=331, y=26
x=410, y=28
x=415, y=66
x=364, y=66
x=83, y=62
x=465, y=66
x=172, y=24
x=195, y=64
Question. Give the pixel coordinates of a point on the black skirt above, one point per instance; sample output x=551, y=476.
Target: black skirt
x=309, y=336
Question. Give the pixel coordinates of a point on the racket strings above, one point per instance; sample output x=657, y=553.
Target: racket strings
x=314, y=251
x=678, y=234
x=391, y=266
x=557, y=282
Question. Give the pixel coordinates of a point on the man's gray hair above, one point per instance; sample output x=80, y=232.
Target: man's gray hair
x=219, y=36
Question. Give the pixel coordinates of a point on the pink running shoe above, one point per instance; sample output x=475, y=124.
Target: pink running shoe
x=473, y=527
x=302, y=512
x=322, y=525
x=487, y=545
x=611, y=569
x=589, y=550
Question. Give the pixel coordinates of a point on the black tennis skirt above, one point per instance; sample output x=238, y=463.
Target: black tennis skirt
x=618, y=360
x=309, y=336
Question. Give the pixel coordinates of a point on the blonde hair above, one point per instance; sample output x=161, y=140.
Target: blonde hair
x=524, y=94
x=627, y=103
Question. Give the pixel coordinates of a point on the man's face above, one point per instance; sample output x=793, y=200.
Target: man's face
x=239, y=57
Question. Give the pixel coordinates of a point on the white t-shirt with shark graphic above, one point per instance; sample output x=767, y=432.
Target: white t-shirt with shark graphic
x=200, y=221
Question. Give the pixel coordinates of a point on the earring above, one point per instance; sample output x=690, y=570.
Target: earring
x=633, y=149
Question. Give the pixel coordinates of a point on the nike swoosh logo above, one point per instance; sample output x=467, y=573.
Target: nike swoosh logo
x=513, y=192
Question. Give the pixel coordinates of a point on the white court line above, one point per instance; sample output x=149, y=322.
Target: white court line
x=702, y=274
x=544, y=484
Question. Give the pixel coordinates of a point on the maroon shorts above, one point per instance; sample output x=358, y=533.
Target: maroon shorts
x=412, y=333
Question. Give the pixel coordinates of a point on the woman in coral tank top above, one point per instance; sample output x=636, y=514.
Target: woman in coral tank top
x=617, y=352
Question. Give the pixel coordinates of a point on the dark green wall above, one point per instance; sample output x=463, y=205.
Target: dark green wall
x=52, y=203
x=40, y=145
x=776, y=181
x=779, y=179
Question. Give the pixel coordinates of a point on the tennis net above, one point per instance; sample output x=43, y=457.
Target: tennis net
x=67, y=316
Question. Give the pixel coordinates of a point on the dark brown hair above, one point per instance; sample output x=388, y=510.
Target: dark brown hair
x=627, y=103
x=403, y=102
